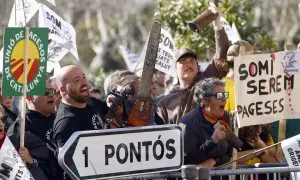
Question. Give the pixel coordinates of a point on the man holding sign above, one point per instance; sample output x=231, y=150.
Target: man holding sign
x=172, y=107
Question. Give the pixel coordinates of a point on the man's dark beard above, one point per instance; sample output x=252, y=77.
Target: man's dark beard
x=78, y=98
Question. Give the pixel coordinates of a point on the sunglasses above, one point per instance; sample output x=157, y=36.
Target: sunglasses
x=51, y=92
x=219, y=95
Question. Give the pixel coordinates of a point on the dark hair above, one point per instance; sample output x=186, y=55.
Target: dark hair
x=95, y=90
x=266, y=131
x=249, y=132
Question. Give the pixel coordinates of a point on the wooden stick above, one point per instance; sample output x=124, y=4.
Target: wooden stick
x=235, y=127
x=259, y=150
x=23, y=110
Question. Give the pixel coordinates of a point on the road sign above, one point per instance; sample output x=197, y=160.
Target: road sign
x=110, y=153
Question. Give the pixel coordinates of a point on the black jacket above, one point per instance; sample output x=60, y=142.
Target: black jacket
x=198, y=145
x=11, y=117
x=38, y=150
x=41, y=127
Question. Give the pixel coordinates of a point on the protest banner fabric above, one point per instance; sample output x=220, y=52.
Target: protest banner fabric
x=12, y=166
x=19, y=14
x=291, y=150
x=129, y=57
x=165, y=60
x=62, y=36
x=13, y=61
x=235, y=34
x=231, y=31
x=264, y=93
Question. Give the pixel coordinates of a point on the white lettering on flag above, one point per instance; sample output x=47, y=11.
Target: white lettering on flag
x=62, y=36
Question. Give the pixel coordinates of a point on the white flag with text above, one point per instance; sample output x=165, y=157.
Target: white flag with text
x=62, y=36
x=20, y=15
x=11, y=163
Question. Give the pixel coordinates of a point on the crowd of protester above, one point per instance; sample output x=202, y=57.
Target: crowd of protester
x=197, y=102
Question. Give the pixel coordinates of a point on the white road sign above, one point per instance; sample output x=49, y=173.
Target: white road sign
x=110, y=153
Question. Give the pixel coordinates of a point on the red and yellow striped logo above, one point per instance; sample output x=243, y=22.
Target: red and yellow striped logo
x=17, y=61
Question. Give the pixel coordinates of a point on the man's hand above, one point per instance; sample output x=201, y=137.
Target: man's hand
x=25, y=155
x=210, y=163
x=217, y=22
x=219, y=134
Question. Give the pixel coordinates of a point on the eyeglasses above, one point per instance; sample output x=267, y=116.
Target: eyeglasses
x=219, y=95
x=51, y=92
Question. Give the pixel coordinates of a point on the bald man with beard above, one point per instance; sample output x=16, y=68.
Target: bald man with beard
x=77, y=110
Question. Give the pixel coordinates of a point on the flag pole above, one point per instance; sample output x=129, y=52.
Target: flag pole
x=23, y=109
x=15, y=12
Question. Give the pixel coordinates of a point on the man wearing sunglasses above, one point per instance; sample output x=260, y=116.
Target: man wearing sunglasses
x=180, y=101
x=205, y=127
x=40, y=116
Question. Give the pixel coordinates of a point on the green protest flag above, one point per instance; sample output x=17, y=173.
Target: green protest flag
x=13, y=61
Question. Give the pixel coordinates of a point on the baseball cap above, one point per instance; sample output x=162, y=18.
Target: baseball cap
x=184, y=52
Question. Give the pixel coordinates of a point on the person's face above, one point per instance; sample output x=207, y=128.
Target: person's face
x=57, y=96
x=187, y=68
x=2, y=124
x=6, y=100
x=215, y=106
x=77, y=87
x=45, y=104
x=154, y=85
x=160, y=76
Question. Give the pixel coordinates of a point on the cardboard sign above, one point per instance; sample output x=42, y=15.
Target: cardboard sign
x=104, y=154
x=20, y=15
x=264, y=93
x=291, y=150
x=12, y=166
x=62, y=36
x=165, y=61
x=13, y=61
